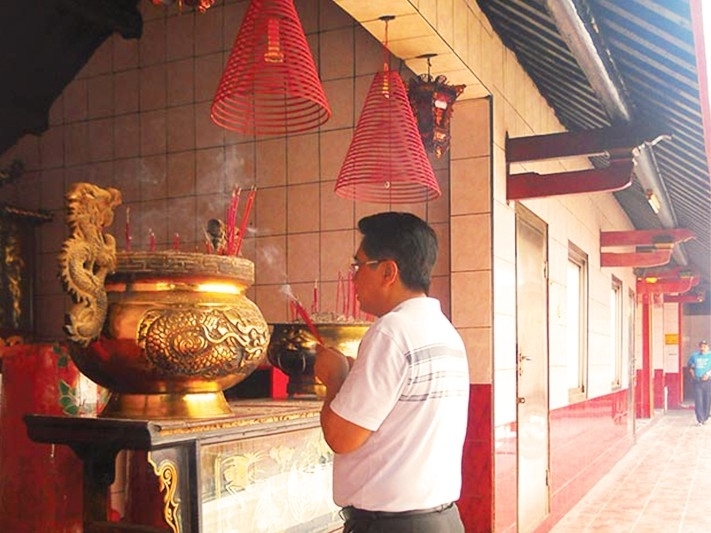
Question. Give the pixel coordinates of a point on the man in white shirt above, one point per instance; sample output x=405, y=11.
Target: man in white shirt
x=396, y=417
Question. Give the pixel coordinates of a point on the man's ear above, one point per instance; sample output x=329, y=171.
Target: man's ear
x=390, y=270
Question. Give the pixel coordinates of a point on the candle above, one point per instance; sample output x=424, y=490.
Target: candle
x=314, y=303
x=176, y=242
x=151, y=240
x=354, y=300
x=347, y=294
x=128, y=229
x=338, y=291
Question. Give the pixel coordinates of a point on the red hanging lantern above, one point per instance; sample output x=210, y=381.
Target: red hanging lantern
x=432, y=99
x=270, y=85
x=386, y=161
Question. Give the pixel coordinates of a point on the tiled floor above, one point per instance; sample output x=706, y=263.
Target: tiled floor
x=662, y=485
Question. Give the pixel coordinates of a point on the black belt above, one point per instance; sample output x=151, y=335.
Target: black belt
x=352, y=513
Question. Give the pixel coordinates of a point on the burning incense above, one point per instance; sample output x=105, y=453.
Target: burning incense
x=307, y=320
x=232, y=220
x=245, y=218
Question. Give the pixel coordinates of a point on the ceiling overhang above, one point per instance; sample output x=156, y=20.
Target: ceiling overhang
x=411, y=34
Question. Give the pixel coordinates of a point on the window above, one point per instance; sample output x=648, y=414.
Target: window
x=616, y=332
x=577, y=323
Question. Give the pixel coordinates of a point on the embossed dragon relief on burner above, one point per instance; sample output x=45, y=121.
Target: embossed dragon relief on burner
x=165, y=331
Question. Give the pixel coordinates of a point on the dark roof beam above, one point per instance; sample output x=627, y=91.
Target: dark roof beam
x=577, y=27
x=595, y=60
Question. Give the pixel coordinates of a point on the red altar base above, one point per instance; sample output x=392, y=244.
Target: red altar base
x=40, y=484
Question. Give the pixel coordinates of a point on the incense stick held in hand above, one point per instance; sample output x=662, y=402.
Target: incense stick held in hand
x=307, y=320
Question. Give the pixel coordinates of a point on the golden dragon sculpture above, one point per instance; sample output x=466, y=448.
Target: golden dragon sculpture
x=87, y=257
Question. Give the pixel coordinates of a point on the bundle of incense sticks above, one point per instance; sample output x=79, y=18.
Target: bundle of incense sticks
x=231, y=220
x=307, y=320
x=245, y=219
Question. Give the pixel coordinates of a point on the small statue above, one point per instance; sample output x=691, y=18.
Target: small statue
x=216, y=234
x=87, y=257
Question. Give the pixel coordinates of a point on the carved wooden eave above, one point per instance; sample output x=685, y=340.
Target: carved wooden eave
x=688, y=298
x=650, y=258
x=667, y=286
x=655, y=247
x=617, y=143
x=534, y=185
x=657, y=237
x=665, y=272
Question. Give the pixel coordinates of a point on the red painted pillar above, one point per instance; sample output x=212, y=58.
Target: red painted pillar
x=476, y=503
x=40, y=484
x=645, y=387
x=682, y=355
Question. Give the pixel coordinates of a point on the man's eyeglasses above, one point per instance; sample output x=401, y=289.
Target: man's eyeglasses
x=355, y=265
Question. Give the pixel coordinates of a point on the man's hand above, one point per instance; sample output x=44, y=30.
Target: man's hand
x=332, y=368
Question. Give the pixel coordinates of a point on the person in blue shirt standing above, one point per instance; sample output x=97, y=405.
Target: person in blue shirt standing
x=699, y=365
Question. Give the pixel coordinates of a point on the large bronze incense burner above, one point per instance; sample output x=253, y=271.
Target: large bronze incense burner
x=292, y=350
x=165, y=332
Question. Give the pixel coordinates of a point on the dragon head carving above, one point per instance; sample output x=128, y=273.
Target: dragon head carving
x=88, y=255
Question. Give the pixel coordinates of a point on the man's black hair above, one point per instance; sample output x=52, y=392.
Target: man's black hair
x=404, y=238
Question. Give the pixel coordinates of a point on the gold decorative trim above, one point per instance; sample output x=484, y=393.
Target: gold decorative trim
x=175, y=264
x=167, y=473
x=236, y=423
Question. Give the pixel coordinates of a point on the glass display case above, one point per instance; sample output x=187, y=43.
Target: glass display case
x=279, y=482
x=264, y=469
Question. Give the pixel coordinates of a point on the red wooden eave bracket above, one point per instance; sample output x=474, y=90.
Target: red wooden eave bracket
x=690, y=298
x=661, y=237
x=533, y=185
x=636, y=259
x=667, y=272
x=618, y=141
x=671, y=286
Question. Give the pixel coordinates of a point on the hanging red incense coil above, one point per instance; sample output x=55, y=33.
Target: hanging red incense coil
x=386, y=161
x=270, y=85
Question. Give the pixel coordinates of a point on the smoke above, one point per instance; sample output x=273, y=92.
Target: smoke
x=286, y=291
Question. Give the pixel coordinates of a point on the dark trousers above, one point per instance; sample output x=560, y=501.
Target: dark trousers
x=446, y=521
x=702, y=399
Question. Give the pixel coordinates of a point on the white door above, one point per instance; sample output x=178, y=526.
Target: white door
x=532, y=369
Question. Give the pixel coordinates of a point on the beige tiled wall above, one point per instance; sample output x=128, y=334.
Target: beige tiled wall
x=137, y=118
x=471, y=233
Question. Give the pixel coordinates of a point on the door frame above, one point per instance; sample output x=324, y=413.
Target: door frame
x=530, y=219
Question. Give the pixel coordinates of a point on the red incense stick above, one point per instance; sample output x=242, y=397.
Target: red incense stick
x=232, y=220
x=307, y=320
x=245, y=219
